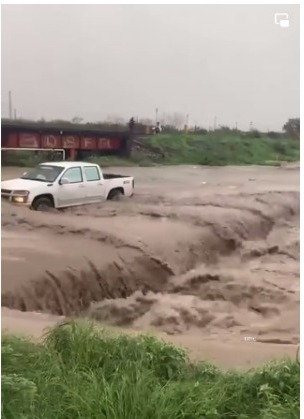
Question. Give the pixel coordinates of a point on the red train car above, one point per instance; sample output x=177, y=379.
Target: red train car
x=76, y=142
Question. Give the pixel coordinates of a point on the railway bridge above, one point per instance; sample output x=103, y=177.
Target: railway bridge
x=75, y=142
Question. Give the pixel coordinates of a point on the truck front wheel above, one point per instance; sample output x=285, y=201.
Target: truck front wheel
x=42, y=204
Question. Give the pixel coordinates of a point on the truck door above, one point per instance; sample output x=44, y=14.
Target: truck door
x=71, y=189
x=95, y=187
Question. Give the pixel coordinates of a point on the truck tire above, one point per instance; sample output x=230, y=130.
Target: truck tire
x=115, y=195
x=42, y=204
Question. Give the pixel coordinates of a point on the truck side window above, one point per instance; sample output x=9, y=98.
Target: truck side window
x=91, y=173
x=73, y=174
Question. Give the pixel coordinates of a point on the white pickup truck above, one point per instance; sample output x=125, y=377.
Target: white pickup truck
x=65, y=184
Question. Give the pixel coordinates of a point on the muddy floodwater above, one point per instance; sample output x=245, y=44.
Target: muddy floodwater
x=203, y=257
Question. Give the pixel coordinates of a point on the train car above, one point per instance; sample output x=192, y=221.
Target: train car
x=76, y=142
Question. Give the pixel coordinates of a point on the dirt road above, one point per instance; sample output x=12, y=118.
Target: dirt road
x=205, y=257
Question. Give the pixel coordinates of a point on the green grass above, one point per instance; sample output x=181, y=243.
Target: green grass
x=215, y=149
x=83, y=372
x=212, y=149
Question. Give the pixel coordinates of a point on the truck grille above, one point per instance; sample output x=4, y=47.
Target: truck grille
x=5, y=193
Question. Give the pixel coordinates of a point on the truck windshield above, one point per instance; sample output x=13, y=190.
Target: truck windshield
x=43, y=173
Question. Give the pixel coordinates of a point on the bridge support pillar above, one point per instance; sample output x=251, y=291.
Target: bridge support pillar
x=72, y=154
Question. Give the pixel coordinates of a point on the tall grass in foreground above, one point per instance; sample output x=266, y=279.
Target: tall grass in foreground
x=84, y=372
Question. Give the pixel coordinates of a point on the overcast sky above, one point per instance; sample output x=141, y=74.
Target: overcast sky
x=230, y=62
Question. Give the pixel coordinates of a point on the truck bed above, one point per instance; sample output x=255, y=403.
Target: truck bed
x=112, y=176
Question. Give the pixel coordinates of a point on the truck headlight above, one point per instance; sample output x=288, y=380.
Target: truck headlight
x=20, y=197
x=21, y=193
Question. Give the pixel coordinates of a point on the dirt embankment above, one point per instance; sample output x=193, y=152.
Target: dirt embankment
x=221, y=264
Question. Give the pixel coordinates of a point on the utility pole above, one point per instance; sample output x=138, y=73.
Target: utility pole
x=156, y=116
x=10, y=105
x=15, y=113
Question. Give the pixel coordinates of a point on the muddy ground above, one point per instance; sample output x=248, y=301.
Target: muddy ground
x=204, y=257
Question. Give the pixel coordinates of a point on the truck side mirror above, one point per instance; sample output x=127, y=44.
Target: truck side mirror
x=64, y=181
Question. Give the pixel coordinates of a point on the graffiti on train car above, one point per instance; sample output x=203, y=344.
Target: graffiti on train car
x=70, y=141
x=29, y=140
x=88, y=143
x=108, y=143
x=51, y=141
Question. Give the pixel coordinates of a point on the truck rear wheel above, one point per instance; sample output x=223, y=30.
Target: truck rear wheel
x=42, y=204
x=115, y=195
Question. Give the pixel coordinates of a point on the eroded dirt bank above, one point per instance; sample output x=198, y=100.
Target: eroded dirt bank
x=212, y=260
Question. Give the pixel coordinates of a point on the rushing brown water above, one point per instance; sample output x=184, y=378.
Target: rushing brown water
x=203, y=256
